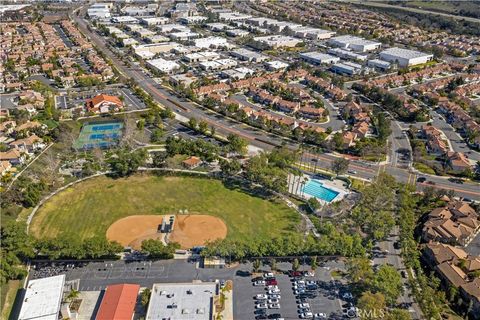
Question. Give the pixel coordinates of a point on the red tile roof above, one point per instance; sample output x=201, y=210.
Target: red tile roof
x=118, y=303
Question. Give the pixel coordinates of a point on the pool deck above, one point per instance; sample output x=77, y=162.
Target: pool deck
x=335, y=185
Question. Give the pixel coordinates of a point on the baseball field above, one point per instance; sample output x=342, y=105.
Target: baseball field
x=91, y=207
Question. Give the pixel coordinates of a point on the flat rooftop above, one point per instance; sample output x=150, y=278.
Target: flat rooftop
x=405, y=53
x=353, y=40
x=42, y=298
x=182, y=301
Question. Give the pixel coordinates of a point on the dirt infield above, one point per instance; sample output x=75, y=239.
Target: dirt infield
x=188, y=230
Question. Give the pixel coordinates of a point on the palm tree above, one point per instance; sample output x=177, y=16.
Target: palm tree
x=73, y=294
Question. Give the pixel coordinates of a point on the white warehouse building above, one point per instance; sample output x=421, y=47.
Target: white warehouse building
x=354, y=43
x=405, y=57
x=162, y=65
x=318, y=58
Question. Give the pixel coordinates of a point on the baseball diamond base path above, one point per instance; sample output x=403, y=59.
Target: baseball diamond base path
x=188, y=230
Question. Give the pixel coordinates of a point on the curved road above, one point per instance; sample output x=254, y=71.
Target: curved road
x=257, y=137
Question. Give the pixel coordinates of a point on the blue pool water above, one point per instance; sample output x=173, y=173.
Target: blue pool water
x=316, y=189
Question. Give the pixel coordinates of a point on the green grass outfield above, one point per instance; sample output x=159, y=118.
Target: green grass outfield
x=90, y=207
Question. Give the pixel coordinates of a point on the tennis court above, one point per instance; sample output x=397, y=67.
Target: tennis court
x=99, y=135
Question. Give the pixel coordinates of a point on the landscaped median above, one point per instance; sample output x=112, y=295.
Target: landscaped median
x=88, y=208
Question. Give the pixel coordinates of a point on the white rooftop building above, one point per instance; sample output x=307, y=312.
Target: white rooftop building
x=380, y=64
x=124, y=19
x=182, y=301
x=209, y=42
x=201, y=56
x=312, y=33
x=43, y=299
x=276, y=65
x=220, y=64
x=248, y=55
x=184, y=36
x=354, y=43
x=172, y=27
x=275, y=41
x=233, y=16
x=318, y=58
x=405, y=57
x=162, y=65
x=193, y=19
x=154, y=21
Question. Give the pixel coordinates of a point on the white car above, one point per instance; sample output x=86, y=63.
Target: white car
x=261, y=297
x=310, y=274
x=272, y=287
x=274, y=296
x=311, y=283
x=268, y=275
x=347, y=295
x=300, y=291
x=259, y=283
x=274, y=306
x=320, y=315
x=304, y=306
x=300, y=283
x=273, y=291
x=261, y=306
x=275, y=301
x=306, y=315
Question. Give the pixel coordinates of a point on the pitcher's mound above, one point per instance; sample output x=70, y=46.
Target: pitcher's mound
x=188, y=230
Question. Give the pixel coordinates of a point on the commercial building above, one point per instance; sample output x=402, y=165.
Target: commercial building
x=99, y=11
x=217, y=27
x=233, y=16
x=209, y=42
x=184, y=36
x=274, y=42
x=118, y=303
x=154, y=21
x=275, y=65
x=248, y=55
x=237, y=33
x=43, y=299
x=183, y=301
x=193, y=19
x=201, y=56
x=221, y=64
x=405, y=57
x=318, y=58
x=237, y=73
x=151, y=49
x=172, y=27
x=354, y=43
x=162, y=65
x=346, y=54
x=312, y=33
x=124, y=19
x=347, y=69
x=378, y=64
x=157, y=38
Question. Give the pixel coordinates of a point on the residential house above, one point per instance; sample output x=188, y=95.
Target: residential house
x=457, y=223
x=13, y=156
x=457, y=161
x=192, y=162
x=28, y=145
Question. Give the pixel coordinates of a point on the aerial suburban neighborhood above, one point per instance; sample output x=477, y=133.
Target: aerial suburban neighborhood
x=255, y=159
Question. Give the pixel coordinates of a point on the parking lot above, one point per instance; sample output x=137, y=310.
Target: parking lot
x=325, y=298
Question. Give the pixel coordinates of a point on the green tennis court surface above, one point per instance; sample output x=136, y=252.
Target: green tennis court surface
x=99, y=135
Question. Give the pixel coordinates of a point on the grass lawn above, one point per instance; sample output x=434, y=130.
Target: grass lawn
x=423, y=168
x=8, y=293
x=90, y=207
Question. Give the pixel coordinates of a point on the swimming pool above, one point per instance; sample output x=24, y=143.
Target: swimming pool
x=316, y=189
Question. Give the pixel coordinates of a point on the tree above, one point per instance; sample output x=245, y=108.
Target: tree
x=359, y=271
x=203, y=126
x=236, y=144
x=192, y=123
x=126, y=162
x=295, y=264
x=314, y=263
x=73, y=294
x=145, y=297
x=313, y=203
x=340, y=165
x=141, y=124
x=398, y=314
x=230, y=168
x=256, y=265
x=388, y=281
x=372, y=305
x=157, y=250
x=273, y=264
x=157, y=135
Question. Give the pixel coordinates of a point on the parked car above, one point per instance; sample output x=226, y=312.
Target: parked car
x=320, y=315
x=270, y=287
x=261, y=296
x=259, y=283
x=268, y=275
x=273, y=291
x=421, y=179
x=274, y=316
x=274, y=301
x=306, y=315
x=261, y=317
x=271, y=282
x=274, y=306
x=347, y=295
x=274, y=296
x=261, y=306
x=257, y=279
x=304, y=306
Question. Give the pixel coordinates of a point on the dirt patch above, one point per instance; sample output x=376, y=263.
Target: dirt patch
x=188, y=230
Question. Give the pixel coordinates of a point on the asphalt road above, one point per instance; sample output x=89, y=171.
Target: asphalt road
x=185, y=109
x=390, y=255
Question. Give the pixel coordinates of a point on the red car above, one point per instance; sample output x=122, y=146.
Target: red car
x=272, y=282
x=295, y=274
